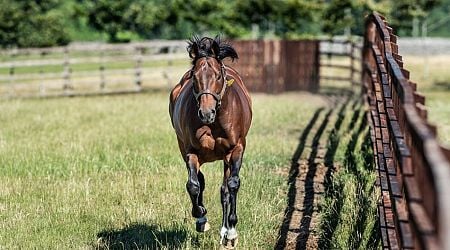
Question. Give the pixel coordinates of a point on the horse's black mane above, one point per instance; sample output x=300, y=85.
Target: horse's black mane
x=205, y=46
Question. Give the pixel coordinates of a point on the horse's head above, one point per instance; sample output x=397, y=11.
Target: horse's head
x=208, y=74
x=209, y=86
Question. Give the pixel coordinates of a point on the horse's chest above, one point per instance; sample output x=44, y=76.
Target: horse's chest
x=211, y=144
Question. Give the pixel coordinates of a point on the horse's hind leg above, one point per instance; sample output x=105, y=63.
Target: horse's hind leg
x=195, y=186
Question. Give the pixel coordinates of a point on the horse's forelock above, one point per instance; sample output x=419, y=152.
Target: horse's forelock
x=206, y=46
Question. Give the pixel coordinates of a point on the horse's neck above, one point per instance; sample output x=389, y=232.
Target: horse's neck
x=238, y=82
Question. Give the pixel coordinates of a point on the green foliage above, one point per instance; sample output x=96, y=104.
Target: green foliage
x=113, y=17
x=406, y=11
x=31, y=23
x=54, y=22
x=347, y=16
x=439, y=20
x=298, y=17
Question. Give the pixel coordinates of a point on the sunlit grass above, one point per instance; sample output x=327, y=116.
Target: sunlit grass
x=349, y=218
x=76, y=169
x=433, y=80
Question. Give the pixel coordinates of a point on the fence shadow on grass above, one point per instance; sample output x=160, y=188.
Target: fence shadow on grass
x=141, y=236
x=293, y=173
x=303, y=229
x=342, y=105
x=356, y=168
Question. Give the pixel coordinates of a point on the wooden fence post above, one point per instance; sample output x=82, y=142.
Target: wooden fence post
x=67, y=71
x=12, y=68
x=138, y=68
x=352, y=62
x=41, y=76
x=102, y=69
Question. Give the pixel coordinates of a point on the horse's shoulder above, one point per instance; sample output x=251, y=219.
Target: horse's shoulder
x=176, y=91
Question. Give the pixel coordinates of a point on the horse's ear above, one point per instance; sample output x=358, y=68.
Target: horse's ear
x=193, y=50
x=215, y=48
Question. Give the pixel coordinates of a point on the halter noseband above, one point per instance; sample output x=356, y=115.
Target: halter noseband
x=217, y=97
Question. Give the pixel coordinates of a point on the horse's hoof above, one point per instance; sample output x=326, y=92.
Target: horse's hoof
x=229, y=243
x=202, y=225
x=228, y=238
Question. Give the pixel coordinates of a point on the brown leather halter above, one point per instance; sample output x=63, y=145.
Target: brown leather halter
x=217, y=97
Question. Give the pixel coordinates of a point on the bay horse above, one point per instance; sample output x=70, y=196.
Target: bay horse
x=210, y=110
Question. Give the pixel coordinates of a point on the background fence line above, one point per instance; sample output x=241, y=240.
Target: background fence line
x=266, y=66
x=413, y=169
x=92, y=68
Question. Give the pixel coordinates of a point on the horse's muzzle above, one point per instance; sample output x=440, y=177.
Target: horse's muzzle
x=207, y=116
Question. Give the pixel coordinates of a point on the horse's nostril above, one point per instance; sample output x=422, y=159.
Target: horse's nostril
x=213, y=111
x=200, y=114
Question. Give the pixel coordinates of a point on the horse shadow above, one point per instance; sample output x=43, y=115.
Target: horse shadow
x=141, y=236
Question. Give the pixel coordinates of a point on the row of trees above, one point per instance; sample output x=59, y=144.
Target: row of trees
x=38, y=23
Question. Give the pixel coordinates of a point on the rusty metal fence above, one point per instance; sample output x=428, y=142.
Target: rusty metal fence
x=413, y=169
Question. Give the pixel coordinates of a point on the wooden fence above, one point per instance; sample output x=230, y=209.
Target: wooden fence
x=413, y=169
x=340, y=60
x=91, y=68
x=278, y=65
x=78, y=69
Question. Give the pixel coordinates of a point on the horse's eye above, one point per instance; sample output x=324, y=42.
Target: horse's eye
x=194, y=83
x=218, y=77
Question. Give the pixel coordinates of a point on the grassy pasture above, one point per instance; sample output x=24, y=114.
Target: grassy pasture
x=433, y=80
x=106, y=171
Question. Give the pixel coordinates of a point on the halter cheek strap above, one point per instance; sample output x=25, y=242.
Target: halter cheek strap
x=217, y=97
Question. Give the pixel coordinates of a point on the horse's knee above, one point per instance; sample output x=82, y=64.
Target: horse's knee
x=234, y=183
x=193, y=187
x=224, y=194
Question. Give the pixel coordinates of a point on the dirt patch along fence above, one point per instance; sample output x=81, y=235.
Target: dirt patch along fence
x=413, y=169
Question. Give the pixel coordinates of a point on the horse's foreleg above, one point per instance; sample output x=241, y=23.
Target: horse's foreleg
x=195, y=186
x=225, y=201
x=233, y=184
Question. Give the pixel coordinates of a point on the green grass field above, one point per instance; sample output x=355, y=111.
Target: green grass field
x=105, y=172
x=79, y=168
x=433, y=80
